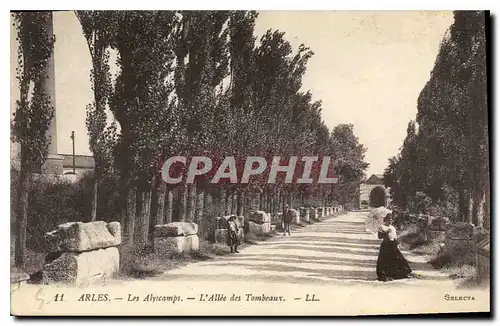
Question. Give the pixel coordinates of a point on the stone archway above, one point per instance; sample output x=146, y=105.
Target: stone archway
x=370, y=193
x=377, y=197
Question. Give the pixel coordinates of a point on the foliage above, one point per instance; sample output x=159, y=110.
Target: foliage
x=445, y=153
x=33, y=113
x=419, y=203
x=172, y=98
x=142, y=102
x=55, y=201
x=98, y=29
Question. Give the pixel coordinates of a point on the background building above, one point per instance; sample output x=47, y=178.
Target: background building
x=373, y=193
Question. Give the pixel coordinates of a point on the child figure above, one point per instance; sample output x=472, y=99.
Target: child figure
x=232, y=234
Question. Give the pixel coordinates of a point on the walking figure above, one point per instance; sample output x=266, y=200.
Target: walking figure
x=233, y=239
x=391, y=264
x=287, y=220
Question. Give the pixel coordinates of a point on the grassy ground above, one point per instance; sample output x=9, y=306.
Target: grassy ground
x=142, y=263
x=145, y=262
x=34, y=259
x=458, y=264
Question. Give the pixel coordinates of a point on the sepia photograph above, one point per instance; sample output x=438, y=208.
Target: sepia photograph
x=250, y=163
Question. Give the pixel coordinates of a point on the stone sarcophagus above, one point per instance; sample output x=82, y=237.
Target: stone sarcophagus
x=259, y=217
x=459, y=239
x=295, y=216
x=176, y=229
x=313, y=213
x=320, y=212
x=259, y=229
x=277, y=221
x=82, y=253
x=433, y=228
x=304, y=214
x=258, y=223
x=482, y=249
x=176, y=238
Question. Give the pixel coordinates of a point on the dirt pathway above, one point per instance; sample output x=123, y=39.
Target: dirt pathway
x=336, y=249
x=327, y=268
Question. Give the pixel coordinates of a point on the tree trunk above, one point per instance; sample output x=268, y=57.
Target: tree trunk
x=146, y=217
x=480, y=197
x=227, y=208
x=461, y=200
x=22, y=217
x=263, y=201
x=191, y=202
x=153, y=208
x=248, y=202
x=465, y=206
x=182, y=201
x=283, y=202
x=169, y=205
x=200, y=196
x=93, y=200
x=469, y=209
x=143, y=215
x=279, y=201
x=254, y=201
x=234, y=206
x=481, y=214
x=222, y=202
x=477, y=204
x=239, y=204
x=208, y=200
x=130, y=213
x=139, y=220
x=230, y=203
x=486, y=206
x=160, y=207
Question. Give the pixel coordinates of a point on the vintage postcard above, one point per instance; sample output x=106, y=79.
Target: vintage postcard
x=242, y=163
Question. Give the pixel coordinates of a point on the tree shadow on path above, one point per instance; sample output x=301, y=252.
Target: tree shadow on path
x=308, y=256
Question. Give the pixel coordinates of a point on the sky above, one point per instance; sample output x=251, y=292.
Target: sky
x=368, y=70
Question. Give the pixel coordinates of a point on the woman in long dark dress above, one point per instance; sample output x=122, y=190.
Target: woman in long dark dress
x=233, y=239
x=391, y=264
